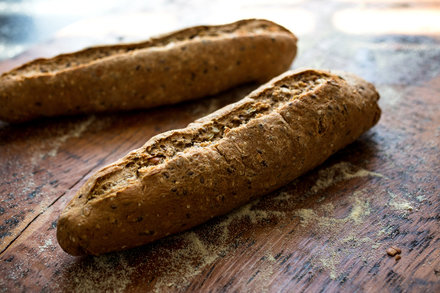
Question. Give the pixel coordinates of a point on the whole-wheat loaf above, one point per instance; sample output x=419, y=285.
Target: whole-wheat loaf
x=183, y=65
x=184, y=177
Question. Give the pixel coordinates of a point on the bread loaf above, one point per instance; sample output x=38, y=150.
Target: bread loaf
x=184, y=177
x=184, y=65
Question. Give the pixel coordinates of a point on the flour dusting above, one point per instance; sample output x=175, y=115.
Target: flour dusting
x=398, y=203
x=323, y=220
x=102, y=274
x=196, y=254
x=265, y=273
x=420, y=198
x=189, y=261
x=51, y=146
x=359, y=210
x=47, y=244
x=340, y=172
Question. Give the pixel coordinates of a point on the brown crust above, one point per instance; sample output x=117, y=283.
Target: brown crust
x=183, y=65
x=184, y=177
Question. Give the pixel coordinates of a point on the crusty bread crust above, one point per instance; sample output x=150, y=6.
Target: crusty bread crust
x=183, y=65
x=184, y=177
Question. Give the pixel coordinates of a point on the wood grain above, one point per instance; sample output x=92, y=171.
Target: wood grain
x=326, y=231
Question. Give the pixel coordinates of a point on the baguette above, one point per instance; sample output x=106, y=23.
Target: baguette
x=183, y=65
x=184, y=177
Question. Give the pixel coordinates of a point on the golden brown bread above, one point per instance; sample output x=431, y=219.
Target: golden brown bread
x=184, y=177
x=184, y=65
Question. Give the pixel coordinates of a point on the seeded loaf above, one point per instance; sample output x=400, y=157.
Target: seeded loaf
x=183, y=65
x=184, y=177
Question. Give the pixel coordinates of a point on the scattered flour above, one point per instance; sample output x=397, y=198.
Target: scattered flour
x=340, y=172
x=385, y=231
x=75, y=132
x=400, y=204
x=360, y=208
x=265, y=273
x=330, y=263
x=51, y=146
x=325, y=222
x=188, y=261
x=196, y=254
x=47, y=244
x=420, y=198
x=102, y=274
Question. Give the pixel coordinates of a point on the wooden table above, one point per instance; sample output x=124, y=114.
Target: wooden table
x=327, y=231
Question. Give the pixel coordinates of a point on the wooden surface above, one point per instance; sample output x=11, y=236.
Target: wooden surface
x=326, y=231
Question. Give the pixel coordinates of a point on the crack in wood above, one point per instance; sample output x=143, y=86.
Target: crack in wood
x=46, y=208
x=99, y=163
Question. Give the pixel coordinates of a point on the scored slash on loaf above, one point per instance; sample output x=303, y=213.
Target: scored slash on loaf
x=187, y=64
x=184, y=177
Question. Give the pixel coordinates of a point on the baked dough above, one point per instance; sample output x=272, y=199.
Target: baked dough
x=187, y=64
x=182, y=178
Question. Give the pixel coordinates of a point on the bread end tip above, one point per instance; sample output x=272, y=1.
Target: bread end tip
x=66, y=237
